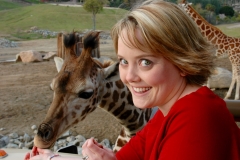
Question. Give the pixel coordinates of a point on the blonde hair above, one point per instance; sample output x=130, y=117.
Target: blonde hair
x=167, y=30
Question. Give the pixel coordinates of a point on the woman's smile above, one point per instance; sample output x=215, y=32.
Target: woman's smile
x=141, y=90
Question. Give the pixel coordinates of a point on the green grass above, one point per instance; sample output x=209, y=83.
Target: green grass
x=4, y=5
x=56, y=18
x=229, y=30
x=14, y=19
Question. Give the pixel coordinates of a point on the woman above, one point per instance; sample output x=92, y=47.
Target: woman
x=164, y=61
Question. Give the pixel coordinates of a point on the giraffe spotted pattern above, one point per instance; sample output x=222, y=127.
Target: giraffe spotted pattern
x=225, y=45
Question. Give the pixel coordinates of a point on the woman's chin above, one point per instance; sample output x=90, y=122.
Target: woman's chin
x=139, y=104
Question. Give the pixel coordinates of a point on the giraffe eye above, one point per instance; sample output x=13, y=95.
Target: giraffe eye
x=85, y=95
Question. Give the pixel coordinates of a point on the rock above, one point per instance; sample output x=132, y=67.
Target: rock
x=80, y=138
x=13, y=140
x=66, y=134
x=29, y=145
x=35, y=132
x=34, y=28
x=106, y=143
x=2, y=143
x=221, y=78
x=13, y=135
x=49, y=55
x=5, y=43
x=21, y=145
x=12, y=145
x=18, y=58
x=16, y=141
x=30, y=56
x=34, y=127
x=26, y=138
x=70, y=138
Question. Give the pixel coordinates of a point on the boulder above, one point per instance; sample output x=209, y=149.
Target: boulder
x=29, y=56
x=221, y=78
x=18, y=58
x=49, y=55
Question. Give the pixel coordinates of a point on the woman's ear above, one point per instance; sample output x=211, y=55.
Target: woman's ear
x=182, y=74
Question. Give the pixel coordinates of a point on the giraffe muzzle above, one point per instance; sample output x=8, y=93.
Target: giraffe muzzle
x=45, y=131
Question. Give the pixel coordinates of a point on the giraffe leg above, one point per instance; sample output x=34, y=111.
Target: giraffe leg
x=237, y=88
x=231, y=87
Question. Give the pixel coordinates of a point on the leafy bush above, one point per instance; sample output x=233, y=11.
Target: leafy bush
x=227, y=10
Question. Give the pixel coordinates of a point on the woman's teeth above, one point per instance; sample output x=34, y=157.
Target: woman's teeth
x=141, y=89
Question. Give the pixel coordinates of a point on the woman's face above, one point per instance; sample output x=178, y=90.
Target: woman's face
x=152, y=80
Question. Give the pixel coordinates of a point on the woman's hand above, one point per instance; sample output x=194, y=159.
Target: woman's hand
x=38, y=154
x=96, y=151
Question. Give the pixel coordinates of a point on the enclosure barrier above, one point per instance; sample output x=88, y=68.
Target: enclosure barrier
x=234, y=107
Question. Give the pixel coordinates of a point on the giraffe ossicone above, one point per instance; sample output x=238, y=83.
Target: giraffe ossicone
x=82, y=84
x=225, y=45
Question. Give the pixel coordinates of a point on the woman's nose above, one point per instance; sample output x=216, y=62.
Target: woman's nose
x=132, y=75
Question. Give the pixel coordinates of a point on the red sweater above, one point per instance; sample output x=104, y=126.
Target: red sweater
x=198, y=127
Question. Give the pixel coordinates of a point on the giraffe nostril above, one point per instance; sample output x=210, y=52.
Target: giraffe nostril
x=45, y=131
x=47, y=134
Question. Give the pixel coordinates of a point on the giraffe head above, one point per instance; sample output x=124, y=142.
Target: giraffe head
x=77, y=89
x=184, y=4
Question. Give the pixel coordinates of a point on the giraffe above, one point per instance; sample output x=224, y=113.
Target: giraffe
x=225, y=45
x=82, y=84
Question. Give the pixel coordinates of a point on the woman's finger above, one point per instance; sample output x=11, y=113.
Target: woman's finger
x=27, y=156
x=99, y=145
x=34, y=151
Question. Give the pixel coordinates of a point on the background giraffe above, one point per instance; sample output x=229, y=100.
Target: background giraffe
x=82, y=84
x=225, y=45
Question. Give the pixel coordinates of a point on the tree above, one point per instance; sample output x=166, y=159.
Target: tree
x=210, y=9
x=227, y=10
x=204, y=3
x=94, y=6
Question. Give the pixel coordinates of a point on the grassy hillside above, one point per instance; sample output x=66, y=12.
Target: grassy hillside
x=4, y=5
x=56, y=18
x=15, y=18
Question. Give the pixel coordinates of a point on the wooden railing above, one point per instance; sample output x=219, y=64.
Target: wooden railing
x=234, y=108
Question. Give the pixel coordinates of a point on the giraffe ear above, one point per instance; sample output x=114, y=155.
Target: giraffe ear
x=112, y=72
x=58, y=62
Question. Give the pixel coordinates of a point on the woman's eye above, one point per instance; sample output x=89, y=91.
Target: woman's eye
x=145, y=62
x=123, y=62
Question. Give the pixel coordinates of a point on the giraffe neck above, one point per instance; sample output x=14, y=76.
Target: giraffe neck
x=117, y=101
x=212, y=33
x=225, y=45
